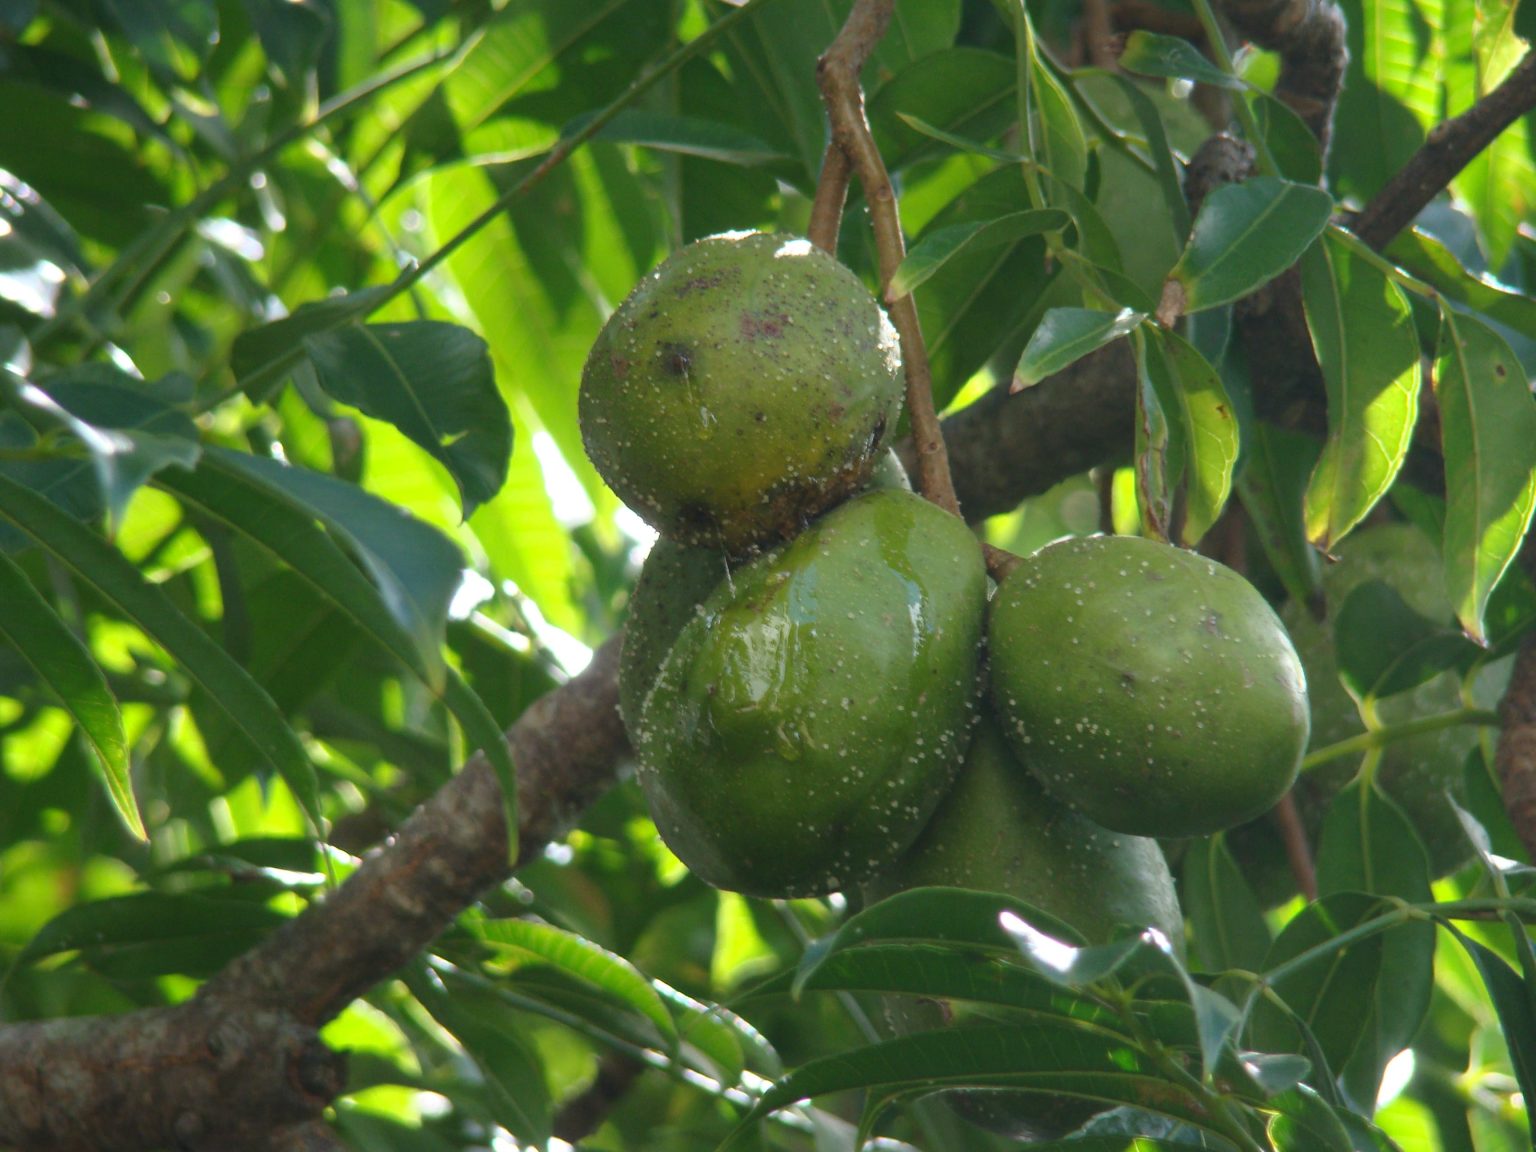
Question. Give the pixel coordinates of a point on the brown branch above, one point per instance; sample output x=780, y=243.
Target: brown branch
x=837, y=72
x=1309, y=36
x=1451, y=146
x=1298, y=853
x=1515, y=758
x=831, y=195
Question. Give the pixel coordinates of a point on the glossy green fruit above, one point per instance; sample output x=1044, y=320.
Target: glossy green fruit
x=810, y=716
x=1149, y=687
x=999, y=831
x=674, y=581
x=1416, y=772
x=744, y=386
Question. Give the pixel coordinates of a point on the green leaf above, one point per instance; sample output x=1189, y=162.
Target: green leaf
x=1228, y=926
x=1170, y=57
x=1304, y=1122
x=1288, y=138
x=580, y=958
x=938, y=247
x=1332, y=995
x=1384, y=647
x=1436, y=265
x=517, y=1093
x=261, y=357
x=1151, y=121
x=128, y=435
x=1050, y=1056
x=962, y=92
x=1190, y=390
x=1159, y=460
x=432, y=381
x=1386, y=42
x=1369, y=845
x=1276, y=466
x=97, y=565
x=1488, y=434
x=1066, y=335
x=155, y=934
x=1061, y=149
x=283, y=524
x=1245, y=235
x=1512, y=1001
x=1363, y=334
x=36, y=634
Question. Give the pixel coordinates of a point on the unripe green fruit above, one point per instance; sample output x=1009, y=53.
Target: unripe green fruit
x=811, y=715
x=675, y=580
x=744, y=386
x=1149, y=687
x=998, y=831
x=1416, y=772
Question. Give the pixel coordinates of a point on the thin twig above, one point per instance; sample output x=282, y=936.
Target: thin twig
x=838, y=74
x=1298, y=853
x=831, y=195
x=1451, y=146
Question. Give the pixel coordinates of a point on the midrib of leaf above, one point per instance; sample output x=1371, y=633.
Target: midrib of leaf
x=1234, y=247
x=402, y=382
x=981, y=285
x=1459, y=352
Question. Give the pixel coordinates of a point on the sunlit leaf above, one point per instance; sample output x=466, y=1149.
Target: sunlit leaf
x=1192, y=395
x=1066, y=335
x=1363, y=334
x=1245, y=235
x=1488, y=433
x=1170, y=57
x=938, y=247
x=29, y=625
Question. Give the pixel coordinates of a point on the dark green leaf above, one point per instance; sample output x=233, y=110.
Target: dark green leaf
x=155, y=934
x=29, y=625
x=1276, y=467
x=1290, y=141
x=1363, y=334
x=1512, y=1001
x=1305, y=1123
x=1384, y=647
x=292, y=35
x=1245, y=235
x=1332, y=994
x=1488, y=437
x=1432, y=262
x=938, y=247
x=1368, y=845
x=98, y=565
x=1066, y=335
x=262, y=356
x=1159, y=450
x=689, y=136
x=962, y=92
x=1151, y=121
x=1169, y=57
x=432, y=381
x=1228, y=926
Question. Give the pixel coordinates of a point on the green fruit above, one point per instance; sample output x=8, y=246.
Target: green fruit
x=675, y=580
x=809, y=718
x=1416, y=772
x=999, y=831
x=1148, y=687
x=744, y=386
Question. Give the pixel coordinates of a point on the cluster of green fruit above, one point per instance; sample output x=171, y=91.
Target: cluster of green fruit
x=803, y=672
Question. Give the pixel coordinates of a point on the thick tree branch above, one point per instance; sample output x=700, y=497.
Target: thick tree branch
x=1309, y=36
x=1451, y=146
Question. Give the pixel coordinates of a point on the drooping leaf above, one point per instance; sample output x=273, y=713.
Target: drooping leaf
x=97, y=565
x=1229, y=930
x=1159, y=452
x=1066, y=335
x=1388, y=54
x=1151, y=121
x=31, y=628
x=434, y=382
x=1173, y=58
x=1512, y=1001
x=1432, y=262
x=1276, y=466
x=1245, y=235
x=261, y=357
x=938, y=247
x=1368, y=845
x=1362, y=331
x=581, y=958
x=1191, y=393
x=1488, y=434
x=1332, y=994
x=1384, y=647
x=1303, y=1122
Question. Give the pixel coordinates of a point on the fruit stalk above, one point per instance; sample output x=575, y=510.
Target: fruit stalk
x=837, y=72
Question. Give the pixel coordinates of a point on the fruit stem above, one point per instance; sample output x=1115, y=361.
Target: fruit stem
x=1298, y=853
x=1380, y=737
x=837, y=73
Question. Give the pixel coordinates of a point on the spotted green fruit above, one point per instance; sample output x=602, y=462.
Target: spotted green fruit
x=674, y=581
x=1149, y=687
x=744, y=386
x=809, y=718
x=998, y=831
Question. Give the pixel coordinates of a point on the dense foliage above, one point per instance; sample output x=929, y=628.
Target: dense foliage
x=295, y=515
